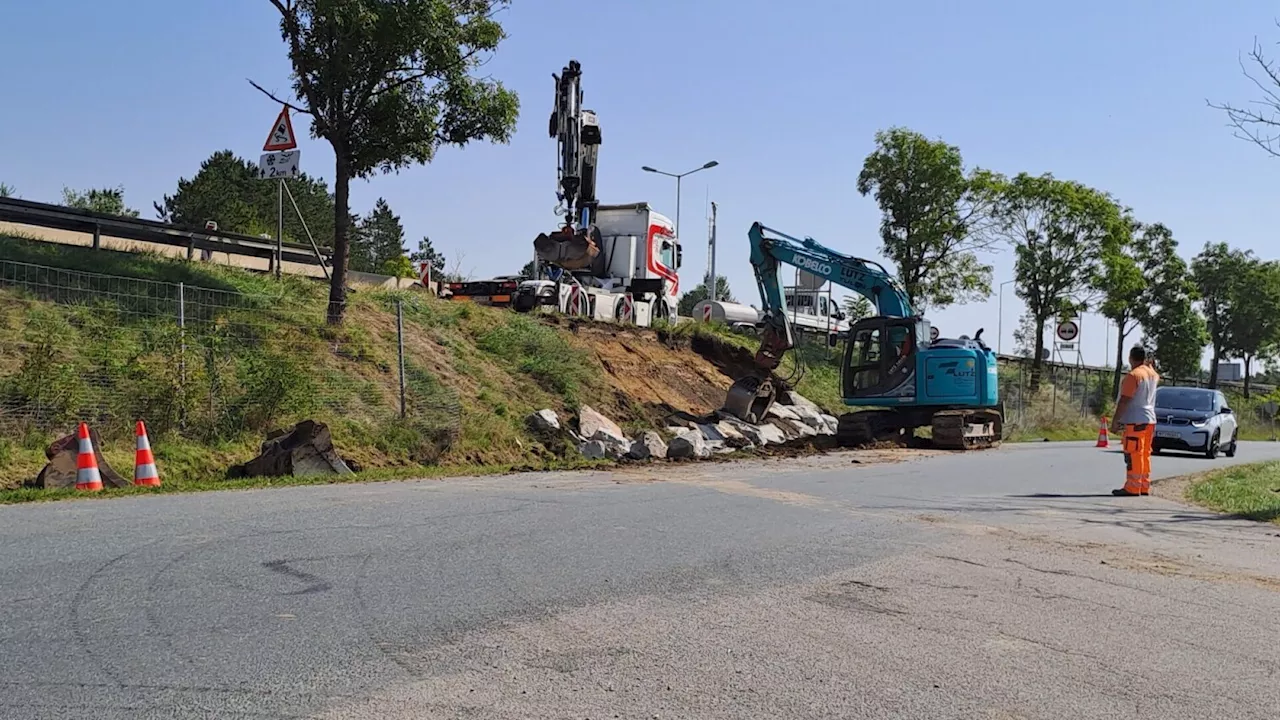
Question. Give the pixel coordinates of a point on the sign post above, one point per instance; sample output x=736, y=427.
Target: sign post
x=279, y=160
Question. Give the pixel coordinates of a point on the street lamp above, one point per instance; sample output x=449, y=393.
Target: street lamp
x=1000, y=323
x=677, y=176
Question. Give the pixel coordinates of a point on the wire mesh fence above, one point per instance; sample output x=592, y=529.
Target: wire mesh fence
x=209, y=363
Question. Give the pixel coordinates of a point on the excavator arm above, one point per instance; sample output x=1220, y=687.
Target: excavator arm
x=749, y=398
x=770, y=249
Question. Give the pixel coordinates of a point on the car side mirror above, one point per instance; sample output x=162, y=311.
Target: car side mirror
x=1225, y=411
x=679, y=257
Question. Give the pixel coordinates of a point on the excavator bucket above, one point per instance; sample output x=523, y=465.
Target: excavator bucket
x=749, y=398
x=569, y=249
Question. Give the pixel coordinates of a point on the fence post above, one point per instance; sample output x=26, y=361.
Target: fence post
x=400, y=350
x=182, y=357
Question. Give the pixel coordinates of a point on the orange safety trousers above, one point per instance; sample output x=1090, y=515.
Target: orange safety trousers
x=1137, y=458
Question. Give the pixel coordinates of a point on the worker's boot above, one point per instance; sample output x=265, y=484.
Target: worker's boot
x=1121, y=492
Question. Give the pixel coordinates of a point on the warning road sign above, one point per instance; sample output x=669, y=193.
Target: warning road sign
x=1068, y=330
x=281, y=137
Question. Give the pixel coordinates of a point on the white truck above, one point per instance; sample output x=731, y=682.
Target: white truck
x=810, y=311
x=632, y=278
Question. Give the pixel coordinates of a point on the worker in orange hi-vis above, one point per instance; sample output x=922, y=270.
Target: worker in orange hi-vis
x=1135, y=416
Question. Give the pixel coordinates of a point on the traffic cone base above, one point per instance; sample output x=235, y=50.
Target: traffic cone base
x=1103, y=438
x=87, y=476
x=144, y=463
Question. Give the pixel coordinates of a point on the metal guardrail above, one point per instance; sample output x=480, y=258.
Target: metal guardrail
x=27, y=212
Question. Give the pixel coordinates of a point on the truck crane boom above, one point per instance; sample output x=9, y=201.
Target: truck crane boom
x=890, y=361
x=577, y=135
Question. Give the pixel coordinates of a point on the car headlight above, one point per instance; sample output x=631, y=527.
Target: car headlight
x=1199, y=423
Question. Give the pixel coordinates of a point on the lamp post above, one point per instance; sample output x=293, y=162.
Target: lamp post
x=678, y=176
x=1000, y=322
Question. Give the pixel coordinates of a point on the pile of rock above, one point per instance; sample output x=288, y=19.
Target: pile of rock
x=793, y=418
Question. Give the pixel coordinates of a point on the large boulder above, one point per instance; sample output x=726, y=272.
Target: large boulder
x=689, y=444
x=648, y=446
x=733, y=437
x=800, y=402
x=593, y=450
x=301, y=450
x=591, y=424
x=60, y=472
x=604, y=445
x=770, y=435
x=785, y=412
x=544, y=421
x=830, y=424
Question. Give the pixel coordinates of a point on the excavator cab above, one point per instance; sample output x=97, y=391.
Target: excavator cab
x=879, y=357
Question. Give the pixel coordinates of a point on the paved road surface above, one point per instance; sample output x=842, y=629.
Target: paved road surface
x=987, y=585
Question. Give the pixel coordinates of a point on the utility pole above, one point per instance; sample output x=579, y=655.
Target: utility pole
x=711, y=263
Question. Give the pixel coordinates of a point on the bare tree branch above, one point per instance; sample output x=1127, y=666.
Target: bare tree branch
x=1261, y=127
x=289, y=105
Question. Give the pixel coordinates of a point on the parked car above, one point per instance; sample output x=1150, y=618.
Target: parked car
x=1194, y=420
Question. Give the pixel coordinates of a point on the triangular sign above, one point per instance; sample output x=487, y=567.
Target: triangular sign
x=281, y=137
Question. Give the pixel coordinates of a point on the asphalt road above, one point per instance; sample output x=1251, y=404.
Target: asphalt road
x=1001, y=584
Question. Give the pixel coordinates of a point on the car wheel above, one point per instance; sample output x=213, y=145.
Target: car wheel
x=1231, y=449
x=1211, y=452
x=1157, y=450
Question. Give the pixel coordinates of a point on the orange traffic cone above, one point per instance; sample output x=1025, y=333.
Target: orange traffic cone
x=87, y=475
x=1102, y=435
x=144, y=463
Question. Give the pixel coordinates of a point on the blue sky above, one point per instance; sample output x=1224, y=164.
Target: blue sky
x=786, y=96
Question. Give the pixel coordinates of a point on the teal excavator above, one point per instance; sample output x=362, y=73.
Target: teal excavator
x=901, y=377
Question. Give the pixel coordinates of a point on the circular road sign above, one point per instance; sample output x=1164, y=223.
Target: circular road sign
x=1068, y=330
x=933, y=333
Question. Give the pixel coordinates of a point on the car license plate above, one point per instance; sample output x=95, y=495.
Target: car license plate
x=1168, y=434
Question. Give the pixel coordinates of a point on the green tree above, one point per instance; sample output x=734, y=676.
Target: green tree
x=387, y=83
x=109, y=201
x=1170, y=321
x=399, y=266
x=1121, y=284
x=933, y=217
x=379, y=240
x=1058, y=229
x=526, y=272
x=857, y=307
x=1216, y=271
x=1255, y=314
x=6, y=190
x=426, y=253
x=699, y=293
x=227, y=190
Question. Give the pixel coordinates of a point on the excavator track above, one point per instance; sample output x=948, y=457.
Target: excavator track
x=967, y=429
x=951, y=429
x=865, y=427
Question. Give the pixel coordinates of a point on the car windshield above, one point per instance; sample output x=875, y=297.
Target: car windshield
x=1184, y=399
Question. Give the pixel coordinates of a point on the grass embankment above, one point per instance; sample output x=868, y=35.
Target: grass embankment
x=256, y=354
x=1248, y=491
